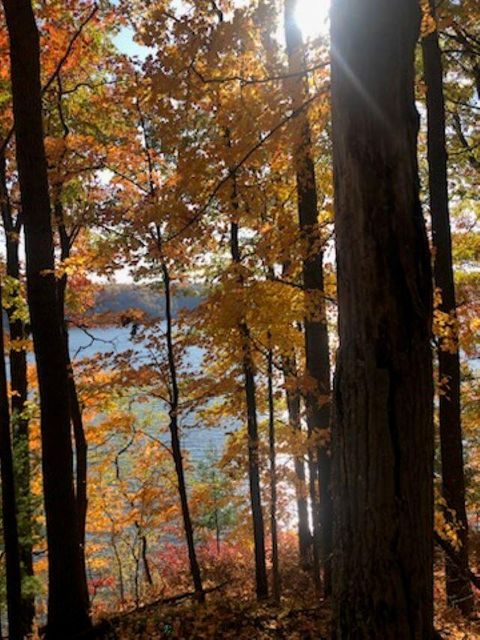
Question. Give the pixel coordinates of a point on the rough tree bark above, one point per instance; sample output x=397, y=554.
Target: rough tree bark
x=9, y=506
x=459, y=591
x=67, y=607
x=19, y=387
x=383, y=436
x=316, y=331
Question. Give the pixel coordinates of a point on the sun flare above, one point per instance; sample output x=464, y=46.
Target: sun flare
x=313, y=17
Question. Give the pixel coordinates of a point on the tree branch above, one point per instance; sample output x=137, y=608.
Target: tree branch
x=58, y=68
x=232, y=170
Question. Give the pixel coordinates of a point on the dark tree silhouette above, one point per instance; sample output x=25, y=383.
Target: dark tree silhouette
x=67, y=606
x=383, y=437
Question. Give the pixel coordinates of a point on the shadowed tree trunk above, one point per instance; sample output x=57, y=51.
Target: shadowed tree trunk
x=176, y=448
x=383, y=436
x=81, y=447
x=293, y=408
x=261, y=578
x=19, y=388
x=252, y=427
x=173, y=388
x=273, y=480
x=67, y=607
x=459, y=591
x=316, y=332
x=9, y=506
x=248, y=366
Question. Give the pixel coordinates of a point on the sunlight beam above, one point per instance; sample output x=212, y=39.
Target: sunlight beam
x=313, y=17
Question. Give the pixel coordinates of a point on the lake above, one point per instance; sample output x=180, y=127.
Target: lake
x=197, y=441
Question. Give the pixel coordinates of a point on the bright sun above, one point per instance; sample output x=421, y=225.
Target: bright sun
x=312, y=17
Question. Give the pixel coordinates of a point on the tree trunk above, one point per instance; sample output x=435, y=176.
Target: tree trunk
x=459, y=591
x=273, y=481
x=9, y=507
x=67, y=607
x=383, y=437
x=19, y=388
x=261, y=579
x=316, y=332
x=174, y=393
x=175, y=438
x=293, y=408
x=81, y=446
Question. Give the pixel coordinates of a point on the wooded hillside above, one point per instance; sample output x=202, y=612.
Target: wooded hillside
x=240, y=339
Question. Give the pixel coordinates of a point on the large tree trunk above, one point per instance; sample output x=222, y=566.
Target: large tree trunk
x=459, y=591
x=9, y=506
x=261, y=579
x=19, y=393
x=316, y=332
x=67, y=607
x=383, y=437
x=294, y=420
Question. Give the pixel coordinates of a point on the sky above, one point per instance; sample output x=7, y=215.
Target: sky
x=312, y=16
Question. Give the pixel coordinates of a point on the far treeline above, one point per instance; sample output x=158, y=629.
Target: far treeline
x=297, y=219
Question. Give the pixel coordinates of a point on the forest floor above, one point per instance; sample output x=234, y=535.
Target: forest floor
x=231, y=613
x=225, y=619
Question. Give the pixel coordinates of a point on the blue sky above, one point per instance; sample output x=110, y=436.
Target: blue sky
x=124, y=41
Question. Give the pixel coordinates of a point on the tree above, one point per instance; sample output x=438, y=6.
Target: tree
x=252, y=423
x=14, y=306
x=383, y=438
x=272, y=455
x=317, y=351
x=9, y=507
x=459, y=591
x=67, y=607
x=292, y=394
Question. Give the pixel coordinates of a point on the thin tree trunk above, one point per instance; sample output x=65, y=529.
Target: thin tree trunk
x=19, y=388
x=273, y=482
x=175, y=438
x=174, y=392
x=317, y=351
x=459, y=591
x=146, y=564
x=119, y=569
x=314, y=505
x=261, y=579
x=293, y=408
x=383, y=436
x=67, y=606
x=9, y=506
